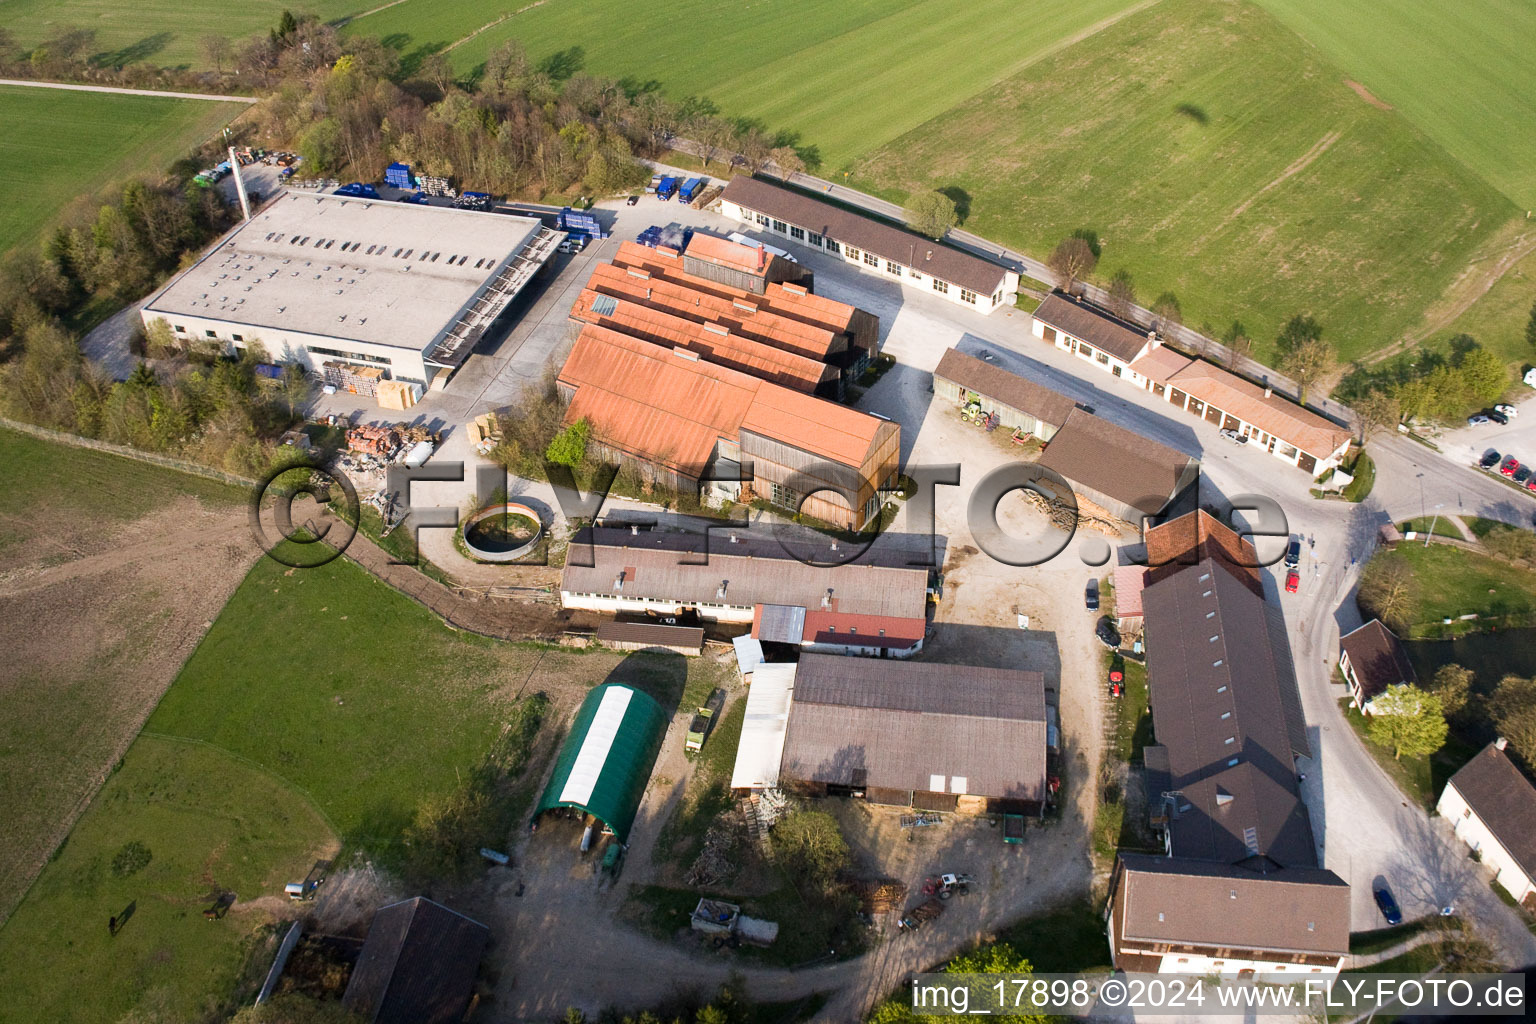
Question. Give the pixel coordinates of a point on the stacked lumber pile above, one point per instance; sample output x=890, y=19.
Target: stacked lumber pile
x=878, y=895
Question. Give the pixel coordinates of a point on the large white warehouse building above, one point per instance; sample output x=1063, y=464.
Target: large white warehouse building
x=359, y=283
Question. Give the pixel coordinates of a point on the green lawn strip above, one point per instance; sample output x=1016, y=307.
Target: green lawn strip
x=160, y=32
x=1421, y=778
x=1449, y=582
x=1065, y=940
x=1381, y=939
x=1422, y=525
x=708, y=793
x=1462, y=74
x=1498, y=318
x=1481, y=527
x=1230, y=165
x=61, y=145
x=211, y=821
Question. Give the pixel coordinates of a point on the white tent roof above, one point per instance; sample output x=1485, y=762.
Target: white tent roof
x=762, y=734
x=594, y=750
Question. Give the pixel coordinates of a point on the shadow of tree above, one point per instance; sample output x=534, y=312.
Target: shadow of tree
x=565, y=63
x=961, y=198
x=135, y=52
x=1195, y=113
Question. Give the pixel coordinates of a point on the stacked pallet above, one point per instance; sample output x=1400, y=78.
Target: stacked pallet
x=356, y=380
x=436, y=186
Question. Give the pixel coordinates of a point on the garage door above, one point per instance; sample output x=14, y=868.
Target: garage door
x=935, y=801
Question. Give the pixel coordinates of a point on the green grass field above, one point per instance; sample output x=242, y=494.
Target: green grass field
x=62, y=145
x=1449, y=582
x=211, y=822
x=1498, y=318
x=1454, y=70
x=165, y=33
x=1219, y=157
x=847, y=77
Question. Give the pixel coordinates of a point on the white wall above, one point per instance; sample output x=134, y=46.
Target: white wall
x=292, y=346
x=984, y=303
x=642, y=605
x=1471, y=830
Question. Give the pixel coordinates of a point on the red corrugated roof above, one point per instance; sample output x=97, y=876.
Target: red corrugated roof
x=726, y=253
x=864, y=630
x=669, y=407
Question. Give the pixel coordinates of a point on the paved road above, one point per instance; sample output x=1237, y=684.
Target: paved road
x=71, y=87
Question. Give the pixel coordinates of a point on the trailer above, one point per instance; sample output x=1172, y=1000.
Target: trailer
x=666, y=188
x=726, y=922
x=704, y=720
x=920, y=915
x=1013, y=828
x=689, y=189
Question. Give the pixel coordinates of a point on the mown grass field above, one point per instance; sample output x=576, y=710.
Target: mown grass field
x=210, y=822
x=846, y=77
x=62, y=145
x=1220, y=157
x=1461, y=72
x=165, y=33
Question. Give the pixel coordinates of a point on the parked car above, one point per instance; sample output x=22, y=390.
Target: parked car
x=1292, y=581
x=1091, y=596
x=1522, y=474
x=1387, y=904
x=1499, y=418
x=1530, y=485
x=1507, y=410
x=1293, y=553
x=1511, y=464
x=1108, y=635
x=631, y=201
x=1490, y=459
x=1233, y=436
x=1477, y=421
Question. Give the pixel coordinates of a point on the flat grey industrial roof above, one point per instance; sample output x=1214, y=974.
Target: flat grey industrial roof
x=366, y=270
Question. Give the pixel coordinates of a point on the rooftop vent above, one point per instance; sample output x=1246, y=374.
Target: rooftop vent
x=721, y=592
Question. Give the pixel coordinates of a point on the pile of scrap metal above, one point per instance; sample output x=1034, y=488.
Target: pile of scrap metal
x=381, y=442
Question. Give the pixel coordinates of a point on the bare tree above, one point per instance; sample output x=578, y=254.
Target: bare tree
x=1376, y=410
x=1386, y=590
x=1239, y=344
x=713, y=135
x=787, y=160
x=216, y=48
x=1071, y=261
x=1307, y=363
x=1166, y=312
x=753, y=148
x=1122, y=294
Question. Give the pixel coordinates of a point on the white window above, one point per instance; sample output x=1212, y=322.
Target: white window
x=893, y=267
x=797, y=233
x=968, y=296
x=850, y=252
x=762, y=220
x=871, y=259
x=815, y=239
x=942, y=287
x=779, y=226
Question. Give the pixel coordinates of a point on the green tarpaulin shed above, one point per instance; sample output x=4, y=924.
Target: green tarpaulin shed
x=606, y=761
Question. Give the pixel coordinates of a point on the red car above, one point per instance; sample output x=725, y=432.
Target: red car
x=1510, y=465
x=1530, y=484
x=1292, y=581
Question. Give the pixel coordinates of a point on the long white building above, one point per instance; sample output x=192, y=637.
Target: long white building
x=874, y=246
x=404, y=289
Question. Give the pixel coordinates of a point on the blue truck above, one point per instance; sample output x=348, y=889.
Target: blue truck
x=667, y=189
x=359, y=190
x=690, y=190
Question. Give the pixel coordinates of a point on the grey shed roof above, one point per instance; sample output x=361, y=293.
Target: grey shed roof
x=1173, y=899
x=917, y=726
x=1118, y=463
x=879, y=237
x=754, y=570
x=417, y=966
x=1009, y=389
x=1098, y=327
x=782, y=623
x=1226, y=710
x=1504, y=800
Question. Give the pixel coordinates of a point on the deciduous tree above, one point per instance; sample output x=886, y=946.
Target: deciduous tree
x=812, y=847
x=1407, y=719
x=932, y=214
x=1375, y=411
x=1512, y=709
x=1166, y=312
x=569, y=447
x=216, y=49
x=1386, y=590
x=1071, y=261
x=1451, y=683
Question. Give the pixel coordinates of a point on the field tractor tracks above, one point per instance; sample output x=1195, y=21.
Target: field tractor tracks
x=1295, y=167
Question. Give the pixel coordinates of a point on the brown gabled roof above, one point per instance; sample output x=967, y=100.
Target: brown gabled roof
x=1118, y=463
x=1177, y=900
x=1269, y=412
x=417, y=966
x=1130, y=582
x=655, y=634
x=902, y=724
x=714, y=342
x=1098, y=327
x=1004, y=387
x=1503, y=800
x=884, y=239
x=1197, y=536
x=1378, y=658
